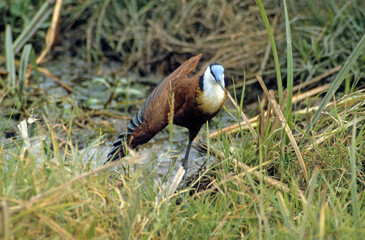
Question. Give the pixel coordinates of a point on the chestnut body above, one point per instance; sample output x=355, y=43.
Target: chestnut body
x=186, y=98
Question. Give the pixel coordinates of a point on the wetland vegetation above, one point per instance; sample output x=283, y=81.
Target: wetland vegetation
x=73, y=73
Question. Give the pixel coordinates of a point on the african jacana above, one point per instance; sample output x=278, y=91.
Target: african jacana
x=196, y=100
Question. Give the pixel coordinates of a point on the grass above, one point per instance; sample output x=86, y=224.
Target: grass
x=111, y=204
x=53, y=185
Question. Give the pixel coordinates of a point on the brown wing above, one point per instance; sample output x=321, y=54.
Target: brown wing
x=185, y=69
x=153, y=116
x=157, y=106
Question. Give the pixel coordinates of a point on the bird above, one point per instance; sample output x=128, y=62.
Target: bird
x=191, y=101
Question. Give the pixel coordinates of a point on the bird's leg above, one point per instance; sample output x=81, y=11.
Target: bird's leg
x=185, y=162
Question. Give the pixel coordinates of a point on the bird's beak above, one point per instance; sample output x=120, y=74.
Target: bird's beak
x=220, y=82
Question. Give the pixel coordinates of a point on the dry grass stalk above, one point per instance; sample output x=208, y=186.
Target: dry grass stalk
x=169, y=190
x=52, y=30
x=322, y=219
x=48, y=74
x=265, y=116
x=310, y=93
x=345, y=101
x=5, y=219
x=55, y=227
x=286, y=127
x=317, y=78
x=282, y=107
x=348, y=102
x=322, y=137
x=175, y=183
x=244, y=118
x=235, y=127
x=56, y=79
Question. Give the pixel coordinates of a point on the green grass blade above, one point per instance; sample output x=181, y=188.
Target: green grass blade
x=355, y=203
x=33, y=61
x=308, y=206
x=23, y=70
x=33, y=26
x=100, y=22
x=274, y=51
x=337, y=82
x=243, y=93
x=284, y=213
x=289, y=80
x=9, y=54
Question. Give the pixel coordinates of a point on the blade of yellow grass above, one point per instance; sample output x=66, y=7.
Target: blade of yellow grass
x=322, y=220
x=307, y=207
x=286, y=127
x=312, y=92
x=52, y=30
x=177, y=179
x=317, y=78
x=282, y=107
x=244, y=118
x=5, y=219
x=322, y=137
x=48, y=74
x=284, y=212
x=56, y=79
x=234, y=127
x=168, y=190
x=55, y=227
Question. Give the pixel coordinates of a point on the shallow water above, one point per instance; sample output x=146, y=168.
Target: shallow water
x=161, y=158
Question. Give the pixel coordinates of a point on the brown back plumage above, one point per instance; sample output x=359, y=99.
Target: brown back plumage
x=153, y=116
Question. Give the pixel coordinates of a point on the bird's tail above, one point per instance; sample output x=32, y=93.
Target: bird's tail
x=118, y=150
x=119, y=146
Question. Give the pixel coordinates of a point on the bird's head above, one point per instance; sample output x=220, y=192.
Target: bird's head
x=214, y=74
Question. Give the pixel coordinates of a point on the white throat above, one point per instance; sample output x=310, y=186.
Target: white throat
x=213, y=95
x=211, y=87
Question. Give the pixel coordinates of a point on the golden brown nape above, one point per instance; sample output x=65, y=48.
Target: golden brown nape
x=196, y=100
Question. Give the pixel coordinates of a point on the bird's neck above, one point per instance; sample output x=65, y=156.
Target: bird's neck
x=210, y=96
